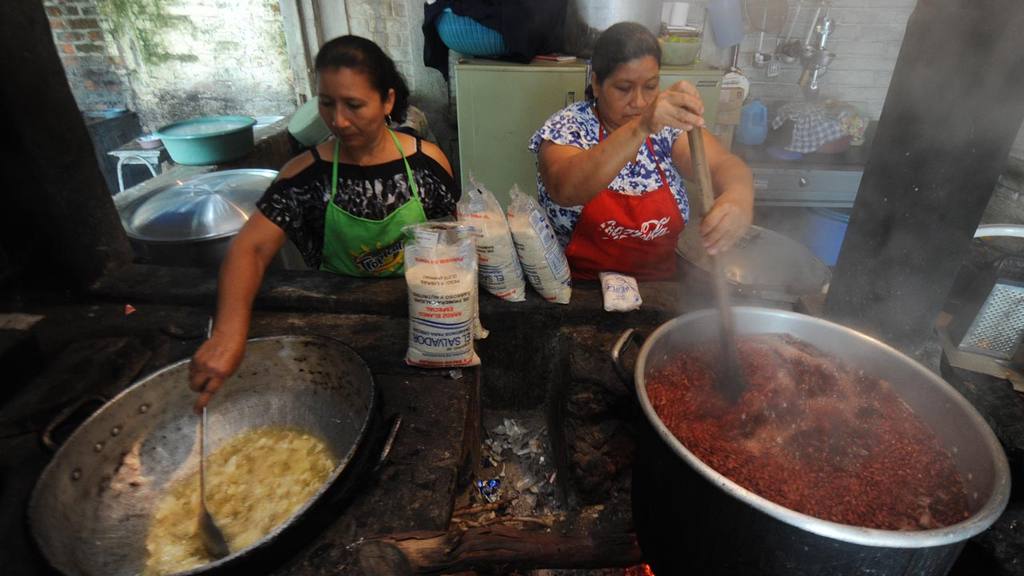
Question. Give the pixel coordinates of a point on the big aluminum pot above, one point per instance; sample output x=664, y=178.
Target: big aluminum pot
x=92, y=505
x=586, y=19
x=691, y=519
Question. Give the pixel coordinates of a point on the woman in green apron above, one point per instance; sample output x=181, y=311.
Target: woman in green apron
x=343, y=204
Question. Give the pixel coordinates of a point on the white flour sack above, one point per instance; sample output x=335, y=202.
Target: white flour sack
x=440, y=271
x=500, y=273
x=539, y=251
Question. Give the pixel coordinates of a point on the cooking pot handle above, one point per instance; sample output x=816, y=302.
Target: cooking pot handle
x=621, y=345
x=65, y=415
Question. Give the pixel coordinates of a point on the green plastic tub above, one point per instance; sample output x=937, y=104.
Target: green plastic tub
x=208, y=140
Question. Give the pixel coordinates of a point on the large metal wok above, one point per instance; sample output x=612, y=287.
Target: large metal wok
x=92, y=505
x=692, y=519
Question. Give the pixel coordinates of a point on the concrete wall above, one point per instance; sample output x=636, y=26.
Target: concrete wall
x=178, y=59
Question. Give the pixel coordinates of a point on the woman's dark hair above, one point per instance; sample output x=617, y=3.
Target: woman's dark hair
x=358, y=53
x=619, y=44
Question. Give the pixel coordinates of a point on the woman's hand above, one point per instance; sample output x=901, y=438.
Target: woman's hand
x=214, y=362
x=679, y=106
x=728, y=220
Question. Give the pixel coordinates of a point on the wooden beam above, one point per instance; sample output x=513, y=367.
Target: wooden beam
x=955, y=104
x=494, y=547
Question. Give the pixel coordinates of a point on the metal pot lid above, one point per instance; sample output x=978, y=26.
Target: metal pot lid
x=205, y=207
x=764, y=260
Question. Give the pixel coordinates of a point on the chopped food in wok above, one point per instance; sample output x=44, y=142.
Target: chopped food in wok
x=813, y=435
x=254, y=482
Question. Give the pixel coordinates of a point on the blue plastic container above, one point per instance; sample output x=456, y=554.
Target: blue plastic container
x=469, y=37
x=753, y=128
x=824, y=232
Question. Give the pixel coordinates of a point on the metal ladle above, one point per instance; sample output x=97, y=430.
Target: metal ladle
x=213, y=539
x=731, y=382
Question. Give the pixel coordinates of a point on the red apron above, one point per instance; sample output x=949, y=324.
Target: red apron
x=634, y=235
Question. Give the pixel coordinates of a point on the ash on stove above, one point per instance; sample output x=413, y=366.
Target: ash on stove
x=515, y=454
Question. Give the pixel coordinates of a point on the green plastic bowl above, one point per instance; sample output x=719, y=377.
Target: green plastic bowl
x=208, y=140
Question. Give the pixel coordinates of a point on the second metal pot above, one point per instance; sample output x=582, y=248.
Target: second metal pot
x=692, y=519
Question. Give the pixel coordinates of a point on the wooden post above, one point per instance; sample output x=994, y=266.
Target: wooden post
x=493, y=548
x=955, y=104
x=58, y=223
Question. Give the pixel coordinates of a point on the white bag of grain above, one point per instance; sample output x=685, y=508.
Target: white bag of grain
x=539, y=251
x=498, y=262
x=441, y=275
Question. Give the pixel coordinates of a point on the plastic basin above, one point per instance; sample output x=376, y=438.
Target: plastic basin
x=307, y=126
x=208, y=140
x=467, y=36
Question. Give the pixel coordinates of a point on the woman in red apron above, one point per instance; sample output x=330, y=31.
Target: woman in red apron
x=610, y=168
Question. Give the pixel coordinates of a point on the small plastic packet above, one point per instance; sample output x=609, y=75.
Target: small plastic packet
x=500, y=272
x=539, y=251
x=621, y=293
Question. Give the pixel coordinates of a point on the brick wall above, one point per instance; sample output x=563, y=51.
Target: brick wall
x=91, y=68
x=169, y=60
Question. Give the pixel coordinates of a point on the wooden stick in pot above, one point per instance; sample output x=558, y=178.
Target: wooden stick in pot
x=731, y=382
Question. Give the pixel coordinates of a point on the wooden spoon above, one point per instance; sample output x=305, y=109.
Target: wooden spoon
x=731, y=382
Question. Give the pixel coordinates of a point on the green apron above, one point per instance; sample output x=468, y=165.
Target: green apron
x=357, y=246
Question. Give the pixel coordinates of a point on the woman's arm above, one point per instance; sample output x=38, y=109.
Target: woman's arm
x=733, y=210
x=573, y=176
x=241, y=274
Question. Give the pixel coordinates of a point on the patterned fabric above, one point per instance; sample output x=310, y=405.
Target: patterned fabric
x=299, y=204
x=577, y=125
x=812, y=126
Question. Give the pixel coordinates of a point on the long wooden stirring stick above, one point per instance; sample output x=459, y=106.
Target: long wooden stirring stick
x=731, y=382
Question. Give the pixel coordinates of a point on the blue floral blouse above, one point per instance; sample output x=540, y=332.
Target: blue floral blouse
x=577, y=125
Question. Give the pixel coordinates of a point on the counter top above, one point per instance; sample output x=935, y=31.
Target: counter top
x=94, y=346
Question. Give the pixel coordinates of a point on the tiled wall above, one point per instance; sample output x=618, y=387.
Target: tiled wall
x=396, y=26
x=866, y=41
